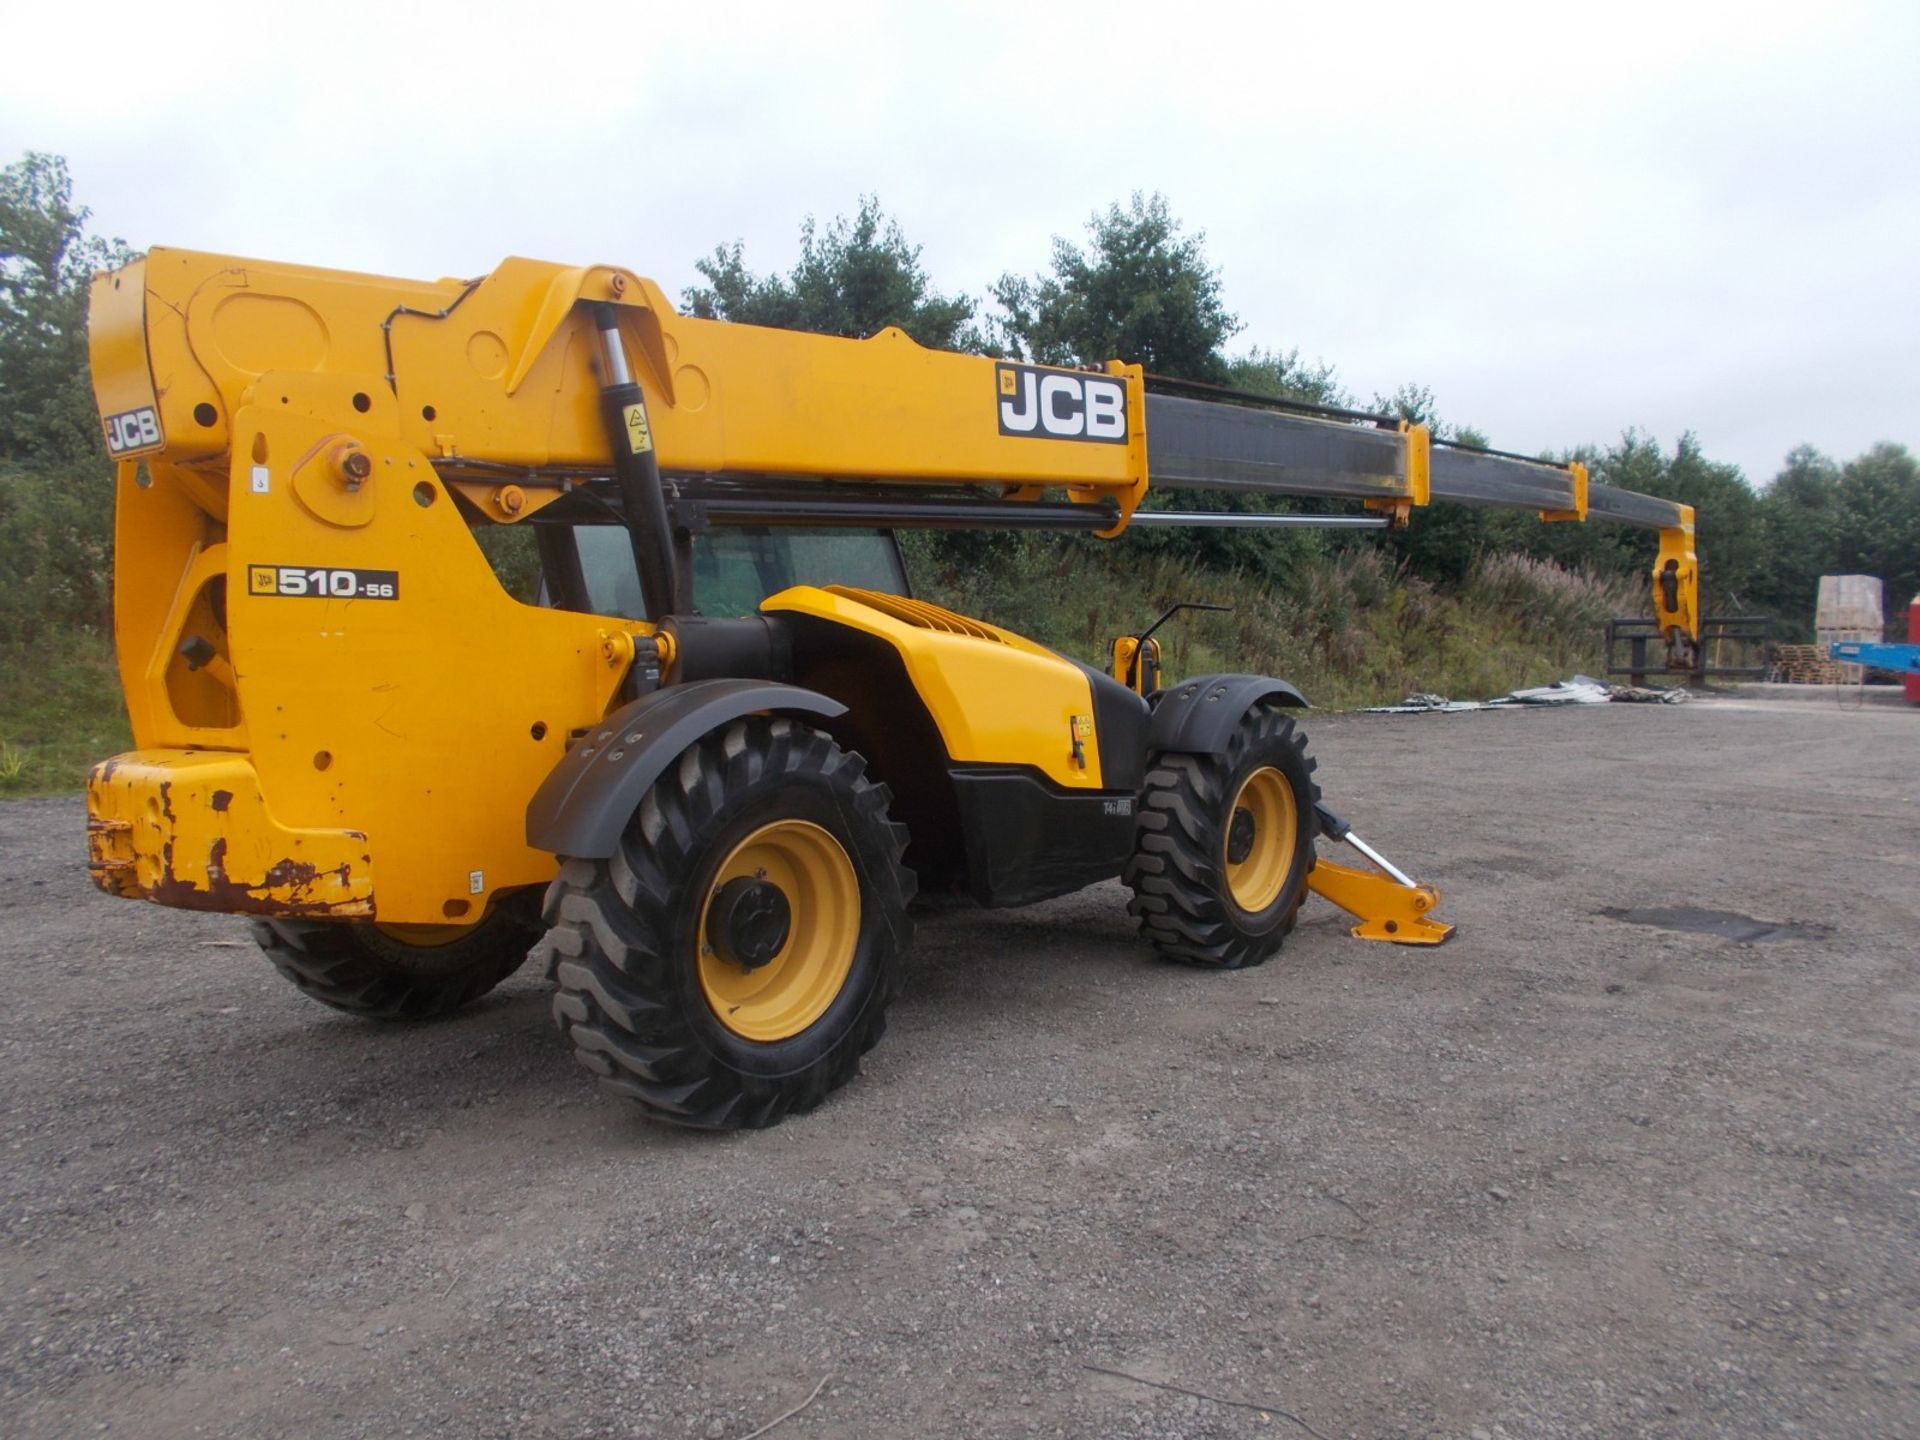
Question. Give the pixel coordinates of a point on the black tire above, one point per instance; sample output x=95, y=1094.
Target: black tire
x=626, y=943
x=365, y=970
x=1178, y=872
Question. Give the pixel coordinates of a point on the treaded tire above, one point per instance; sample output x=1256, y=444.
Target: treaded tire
x=1177, y=871
x=624, y=943
x=358, y=968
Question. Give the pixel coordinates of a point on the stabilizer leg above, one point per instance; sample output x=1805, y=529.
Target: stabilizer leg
x=1386, y=902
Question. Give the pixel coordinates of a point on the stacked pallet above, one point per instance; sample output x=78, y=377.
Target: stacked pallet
x=1804, y=665
x=1848, y=608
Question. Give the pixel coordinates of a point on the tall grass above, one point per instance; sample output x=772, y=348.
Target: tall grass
x=60, y=710
x=1344, y=626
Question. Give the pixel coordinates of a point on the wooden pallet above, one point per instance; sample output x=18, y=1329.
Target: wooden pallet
x=1845, y=674
x=1804, y=665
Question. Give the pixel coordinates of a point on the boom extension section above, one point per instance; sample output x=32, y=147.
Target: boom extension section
x=1254, y=445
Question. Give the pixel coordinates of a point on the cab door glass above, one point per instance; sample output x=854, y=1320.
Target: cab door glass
x=734, y=569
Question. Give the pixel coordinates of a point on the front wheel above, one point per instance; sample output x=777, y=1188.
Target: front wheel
x=1223, y=845
x=733, y=959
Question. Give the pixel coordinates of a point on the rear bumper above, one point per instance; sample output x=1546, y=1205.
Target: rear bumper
x=190, y=828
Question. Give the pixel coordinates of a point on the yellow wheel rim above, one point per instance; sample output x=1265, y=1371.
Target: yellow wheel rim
x=781, y=998
x=1256, y=879
x=424, y=937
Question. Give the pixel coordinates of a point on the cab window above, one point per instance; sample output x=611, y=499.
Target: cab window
x=735, y=568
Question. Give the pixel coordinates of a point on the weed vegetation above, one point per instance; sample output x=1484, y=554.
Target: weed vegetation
x=1347, y=626
x=60, y=711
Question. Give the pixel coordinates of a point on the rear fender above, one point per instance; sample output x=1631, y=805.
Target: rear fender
x=584, y=805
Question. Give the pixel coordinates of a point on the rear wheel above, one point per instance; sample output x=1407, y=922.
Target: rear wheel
x=734, y=958
x=1223, y=845
x=399, y=972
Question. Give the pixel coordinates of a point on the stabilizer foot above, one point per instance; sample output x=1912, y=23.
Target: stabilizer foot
x=1386, y=909
x=1386, y=902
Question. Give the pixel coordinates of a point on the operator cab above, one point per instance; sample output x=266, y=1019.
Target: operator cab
x=590, y=567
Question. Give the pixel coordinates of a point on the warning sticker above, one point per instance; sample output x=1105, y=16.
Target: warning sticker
x=639, y=436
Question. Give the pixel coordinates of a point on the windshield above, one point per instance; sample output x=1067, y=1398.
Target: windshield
x=734, y=569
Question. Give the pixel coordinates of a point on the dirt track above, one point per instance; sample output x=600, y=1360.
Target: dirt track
x=1567, y=1176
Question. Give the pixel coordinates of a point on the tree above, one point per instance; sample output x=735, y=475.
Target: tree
x=857, y=277
x=56, y=484
x=1283, y=375
x=46, y=262
x=1879, y=529
x=1800, y=521
x=1143, y=292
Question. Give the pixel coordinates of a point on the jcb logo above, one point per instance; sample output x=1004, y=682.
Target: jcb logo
x=1061, y=405
x=133, y=431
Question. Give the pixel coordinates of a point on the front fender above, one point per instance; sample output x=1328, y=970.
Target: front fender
x=581, y=809
x=1198, y=716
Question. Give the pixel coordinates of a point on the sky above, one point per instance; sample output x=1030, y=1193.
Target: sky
x=1566, y=220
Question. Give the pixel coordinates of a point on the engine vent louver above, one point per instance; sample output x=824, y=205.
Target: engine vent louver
x=916, y=613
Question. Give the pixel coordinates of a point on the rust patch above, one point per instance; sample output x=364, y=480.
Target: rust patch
x=110, y=859
x=228, y=898
x=119, y=857
x=297, y=878
x=297, y=874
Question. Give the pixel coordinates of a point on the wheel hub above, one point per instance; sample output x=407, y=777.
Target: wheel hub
x=1262, y=839
x=1240, y=832
x=749, y=921
x=779, y=930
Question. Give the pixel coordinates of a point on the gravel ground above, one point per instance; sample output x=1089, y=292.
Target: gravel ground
x=1568, y=1175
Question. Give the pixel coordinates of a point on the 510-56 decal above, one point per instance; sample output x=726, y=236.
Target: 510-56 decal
x=323, y=582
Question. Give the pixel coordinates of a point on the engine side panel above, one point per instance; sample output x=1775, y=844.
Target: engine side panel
x=995, y=697
x=988, y=819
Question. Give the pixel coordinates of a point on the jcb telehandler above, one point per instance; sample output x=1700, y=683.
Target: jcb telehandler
x=703, y=779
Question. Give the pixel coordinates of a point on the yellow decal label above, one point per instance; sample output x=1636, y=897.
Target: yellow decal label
x=323, y=582
x=639, y=436
x=1083, y=728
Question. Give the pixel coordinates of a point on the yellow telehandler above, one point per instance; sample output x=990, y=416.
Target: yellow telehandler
x=703, y=778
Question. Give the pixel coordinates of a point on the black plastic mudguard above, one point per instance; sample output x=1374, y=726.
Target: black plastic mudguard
x=1198, y=716
x=581, y=809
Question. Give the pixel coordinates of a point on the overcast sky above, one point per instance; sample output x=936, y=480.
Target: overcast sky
x=1567, y=220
